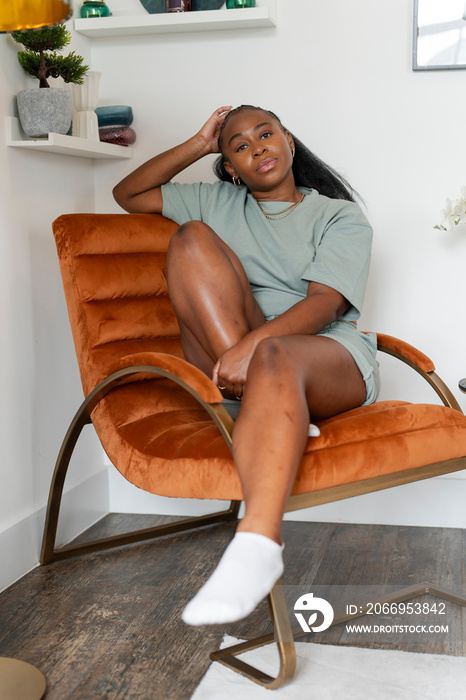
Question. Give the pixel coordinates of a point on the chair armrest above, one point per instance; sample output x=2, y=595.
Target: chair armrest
x=404, y=351
x=187, y=373
x=419, y=362
x=151, y=365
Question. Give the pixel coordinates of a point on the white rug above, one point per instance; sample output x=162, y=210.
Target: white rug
x=325, y=672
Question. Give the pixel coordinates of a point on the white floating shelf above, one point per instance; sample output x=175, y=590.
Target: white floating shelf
x=172, y=22
x=64, y=145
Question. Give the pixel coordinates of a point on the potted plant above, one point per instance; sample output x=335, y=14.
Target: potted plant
x=45, y=109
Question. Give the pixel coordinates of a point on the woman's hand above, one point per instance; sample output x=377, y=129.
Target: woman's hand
x=211, y=129
x=139, y=192
x=231, y=369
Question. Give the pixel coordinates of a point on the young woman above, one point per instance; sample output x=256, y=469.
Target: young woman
x=267, y=274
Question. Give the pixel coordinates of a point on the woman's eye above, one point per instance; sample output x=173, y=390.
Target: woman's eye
x=266, y=134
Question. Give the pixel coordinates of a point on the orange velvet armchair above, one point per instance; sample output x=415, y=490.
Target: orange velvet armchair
x=162, y=422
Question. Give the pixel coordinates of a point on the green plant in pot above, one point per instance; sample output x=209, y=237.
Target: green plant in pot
x=45, y=109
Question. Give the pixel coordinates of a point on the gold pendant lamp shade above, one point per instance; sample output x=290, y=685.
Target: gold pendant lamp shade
x=19, y=15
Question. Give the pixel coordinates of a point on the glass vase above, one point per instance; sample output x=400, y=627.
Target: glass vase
x=234, y=4
x=94, y=8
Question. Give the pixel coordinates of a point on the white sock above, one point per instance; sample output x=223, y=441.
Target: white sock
x=246, y=573
x=313, y=430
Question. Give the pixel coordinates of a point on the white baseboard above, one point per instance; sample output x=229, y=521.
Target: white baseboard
x=82, y=506
x=437, y=502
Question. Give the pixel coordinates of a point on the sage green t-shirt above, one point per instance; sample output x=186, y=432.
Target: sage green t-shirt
x=322, y=240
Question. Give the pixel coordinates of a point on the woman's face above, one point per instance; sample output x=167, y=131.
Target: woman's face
x=257, y=150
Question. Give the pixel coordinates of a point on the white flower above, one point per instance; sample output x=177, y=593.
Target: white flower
x=454, y=212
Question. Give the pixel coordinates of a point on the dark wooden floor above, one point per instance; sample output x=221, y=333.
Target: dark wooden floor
x=108, y=625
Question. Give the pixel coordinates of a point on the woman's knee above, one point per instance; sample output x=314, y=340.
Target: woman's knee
x=190, y=238
x=271, y=357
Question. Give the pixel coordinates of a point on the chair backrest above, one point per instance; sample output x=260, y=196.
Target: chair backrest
x=115, y=287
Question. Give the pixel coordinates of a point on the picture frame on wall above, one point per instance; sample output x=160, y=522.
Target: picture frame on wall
x=439, y=37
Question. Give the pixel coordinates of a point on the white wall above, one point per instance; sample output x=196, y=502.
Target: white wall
x=339, y=74
x=40, y=387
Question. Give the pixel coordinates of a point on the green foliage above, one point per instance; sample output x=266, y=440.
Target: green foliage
x=69, y=68
x=42, y=65
x=46, y=39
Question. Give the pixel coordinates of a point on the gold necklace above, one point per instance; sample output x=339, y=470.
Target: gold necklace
x=287, y=211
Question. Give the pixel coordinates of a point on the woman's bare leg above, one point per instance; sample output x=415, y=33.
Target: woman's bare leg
x=290, y=379
x=210, y=293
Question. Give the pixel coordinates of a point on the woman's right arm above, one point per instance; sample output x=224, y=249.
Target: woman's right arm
x=140, y=192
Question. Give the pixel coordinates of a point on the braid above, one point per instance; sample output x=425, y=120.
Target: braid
x=308, y=170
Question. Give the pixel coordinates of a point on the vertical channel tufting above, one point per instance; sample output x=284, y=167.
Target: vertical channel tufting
x=113, y=269
x=154, y=432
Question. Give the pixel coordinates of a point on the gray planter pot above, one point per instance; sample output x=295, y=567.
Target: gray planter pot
x=45, y=110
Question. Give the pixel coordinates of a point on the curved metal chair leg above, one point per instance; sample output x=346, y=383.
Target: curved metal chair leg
x=83, y=417
x=283, y=636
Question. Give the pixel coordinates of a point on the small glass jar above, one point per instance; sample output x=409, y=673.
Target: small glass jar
x=234, y=4
x=94, y=8
x=178, y=6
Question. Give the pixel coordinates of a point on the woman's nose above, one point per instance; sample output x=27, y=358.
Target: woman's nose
x=259, y=149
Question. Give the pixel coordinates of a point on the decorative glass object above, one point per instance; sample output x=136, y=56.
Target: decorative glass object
x=234, y=4
x=114, y=115
x=94, y=8
x=20, y=15
x=85, y=122
x=178, y=6
x=121, y=135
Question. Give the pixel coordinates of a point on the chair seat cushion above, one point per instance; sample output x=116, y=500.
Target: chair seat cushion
x=164, y=442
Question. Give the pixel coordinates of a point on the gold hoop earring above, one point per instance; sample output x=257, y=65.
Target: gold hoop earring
x=293, y=151
x=236, y=181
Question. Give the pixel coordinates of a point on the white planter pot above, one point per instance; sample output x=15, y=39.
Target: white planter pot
x=44, y=110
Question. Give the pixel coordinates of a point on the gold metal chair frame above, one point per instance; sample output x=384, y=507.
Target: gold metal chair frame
x=83, y=417
x=283, y=633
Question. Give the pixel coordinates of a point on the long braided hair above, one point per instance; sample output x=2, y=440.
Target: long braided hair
x=308, y=170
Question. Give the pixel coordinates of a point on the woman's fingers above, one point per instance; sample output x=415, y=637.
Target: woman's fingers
x=222, y=111
x=237, y=390
x=217, y=118
x=211, y=129
x=215, y=373
x=233, y=388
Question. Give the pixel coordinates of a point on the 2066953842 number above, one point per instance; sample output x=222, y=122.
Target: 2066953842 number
x=435, y=608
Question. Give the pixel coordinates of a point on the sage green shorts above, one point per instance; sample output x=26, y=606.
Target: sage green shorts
x=362, y=348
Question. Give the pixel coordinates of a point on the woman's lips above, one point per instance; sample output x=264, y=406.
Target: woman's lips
x=266, y=165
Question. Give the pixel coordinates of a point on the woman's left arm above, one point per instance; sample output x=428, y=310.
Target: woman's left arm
x=322, y=305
